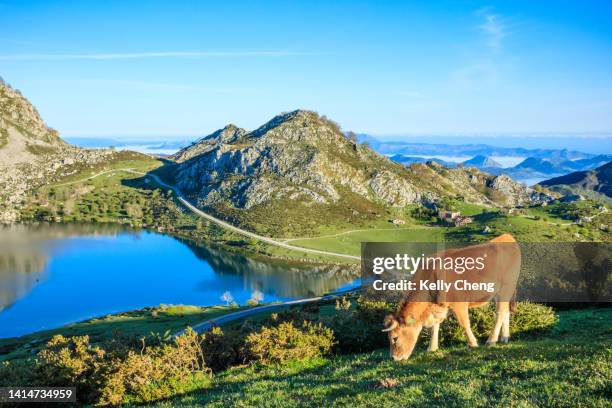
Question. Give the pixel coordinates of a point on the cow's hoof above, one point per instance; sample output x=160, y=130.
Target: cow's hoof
x=491, y=343
x=504, y=340
x=431, y=350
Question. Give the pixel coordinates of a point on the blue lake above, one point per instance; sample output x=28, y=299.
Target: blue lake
x=53, y=275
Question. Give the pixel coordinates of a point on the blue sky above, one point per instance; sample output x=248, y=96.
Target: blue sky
x=175, y=69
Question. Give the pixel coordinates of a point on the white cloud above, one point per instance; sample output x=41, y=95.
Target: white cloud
x=141, y=55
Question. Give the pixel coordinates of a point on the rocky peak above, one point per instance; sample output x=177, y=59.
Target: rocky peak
x=18, y=113
x=298, y=125
x=228, y=135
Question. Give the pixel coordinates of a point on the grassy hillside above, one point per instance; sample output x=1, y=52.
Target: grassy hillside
x=136, y=323
x=569, y=366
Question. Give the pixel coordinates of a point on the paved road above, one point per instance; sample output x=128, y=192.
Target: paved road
x=218, y=321
x=217, y=221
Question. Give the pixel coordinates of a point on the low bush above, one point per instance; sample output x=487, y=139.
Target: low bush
x=224, y=348
x=157, y=372
x=72, y=361
x=528, y=318
x=115, y=374
x=357, y=329
x=286, y=342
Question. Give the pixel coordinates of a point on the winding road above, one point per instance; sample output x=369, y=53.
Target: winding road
x=230, y=317
x=216, y=220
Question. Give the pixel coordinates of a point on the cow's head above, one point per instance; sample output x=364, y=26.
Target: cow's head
x=403, y=335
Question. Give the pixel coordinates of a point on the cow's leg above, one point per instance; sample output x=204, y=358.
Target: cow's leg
x=433, y=342
x=463, y=317
x=501, y=310
x=506, y=329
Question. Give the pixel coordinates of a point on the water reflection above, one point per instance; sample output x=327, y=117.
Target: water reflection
x=280, y=278
x=54, y=274
x=24, y=255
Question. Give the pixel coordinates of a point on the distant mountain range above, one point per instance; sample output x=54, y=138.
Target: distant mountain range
x=155, y=146
x=538, y=164
x=469, y=150
x=598, y=180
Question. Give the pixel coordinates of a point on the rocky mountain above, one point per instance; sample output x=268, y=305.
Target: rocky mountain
x=32, y=153
x=228, y=135
x=23, y=134
x=300, y=167
x=481, y=161
x=598, y=180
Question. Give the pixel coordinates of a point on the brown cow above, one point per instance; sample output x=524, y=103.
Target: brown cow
x=502, y=267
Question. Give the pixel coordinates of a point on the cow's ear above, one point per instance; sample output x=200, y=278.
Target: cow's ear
x=390, y=323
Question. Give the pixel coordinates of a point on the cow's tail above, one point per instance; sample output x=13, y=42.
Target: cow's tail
x=513, y=302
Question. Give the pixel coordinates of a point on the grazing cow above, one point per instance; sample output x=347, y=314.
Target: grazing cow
x=419, y=309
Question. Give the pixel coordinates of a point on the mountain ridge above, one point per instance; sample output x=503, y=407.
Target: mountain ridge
x=302, y=162
x=598, y=180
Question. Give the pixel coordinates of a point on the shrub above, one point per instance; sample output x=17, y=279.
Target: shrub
x=532, y=317
x=223, y=348
x=71, y=361
x=529, y=317
x=158, y=372
x=20, y=373
x=287, y=342
x=357, y=329
x=117, y=372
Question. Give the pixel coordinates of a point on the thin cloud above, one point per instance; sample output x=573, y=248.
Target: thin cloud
x=494, y=29
x=143, y=55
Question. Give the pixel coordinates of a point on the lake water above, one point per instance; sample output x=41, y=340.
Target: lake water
x=53, y=275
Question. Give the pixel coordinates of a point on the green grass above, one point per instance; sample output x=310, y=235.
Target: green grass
x=569, y=366
x=134, y=323
x=350, y=242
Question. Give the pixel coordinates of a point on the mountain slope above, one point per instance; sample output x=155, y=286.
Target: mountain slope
x=598, y=180
x=299, y=169
x=31, y=153
x=23, y=134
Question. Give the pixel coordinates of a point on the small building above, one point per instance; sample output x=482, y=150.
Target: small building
x=398, y=222
x=463, y=220
x=448, y=216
